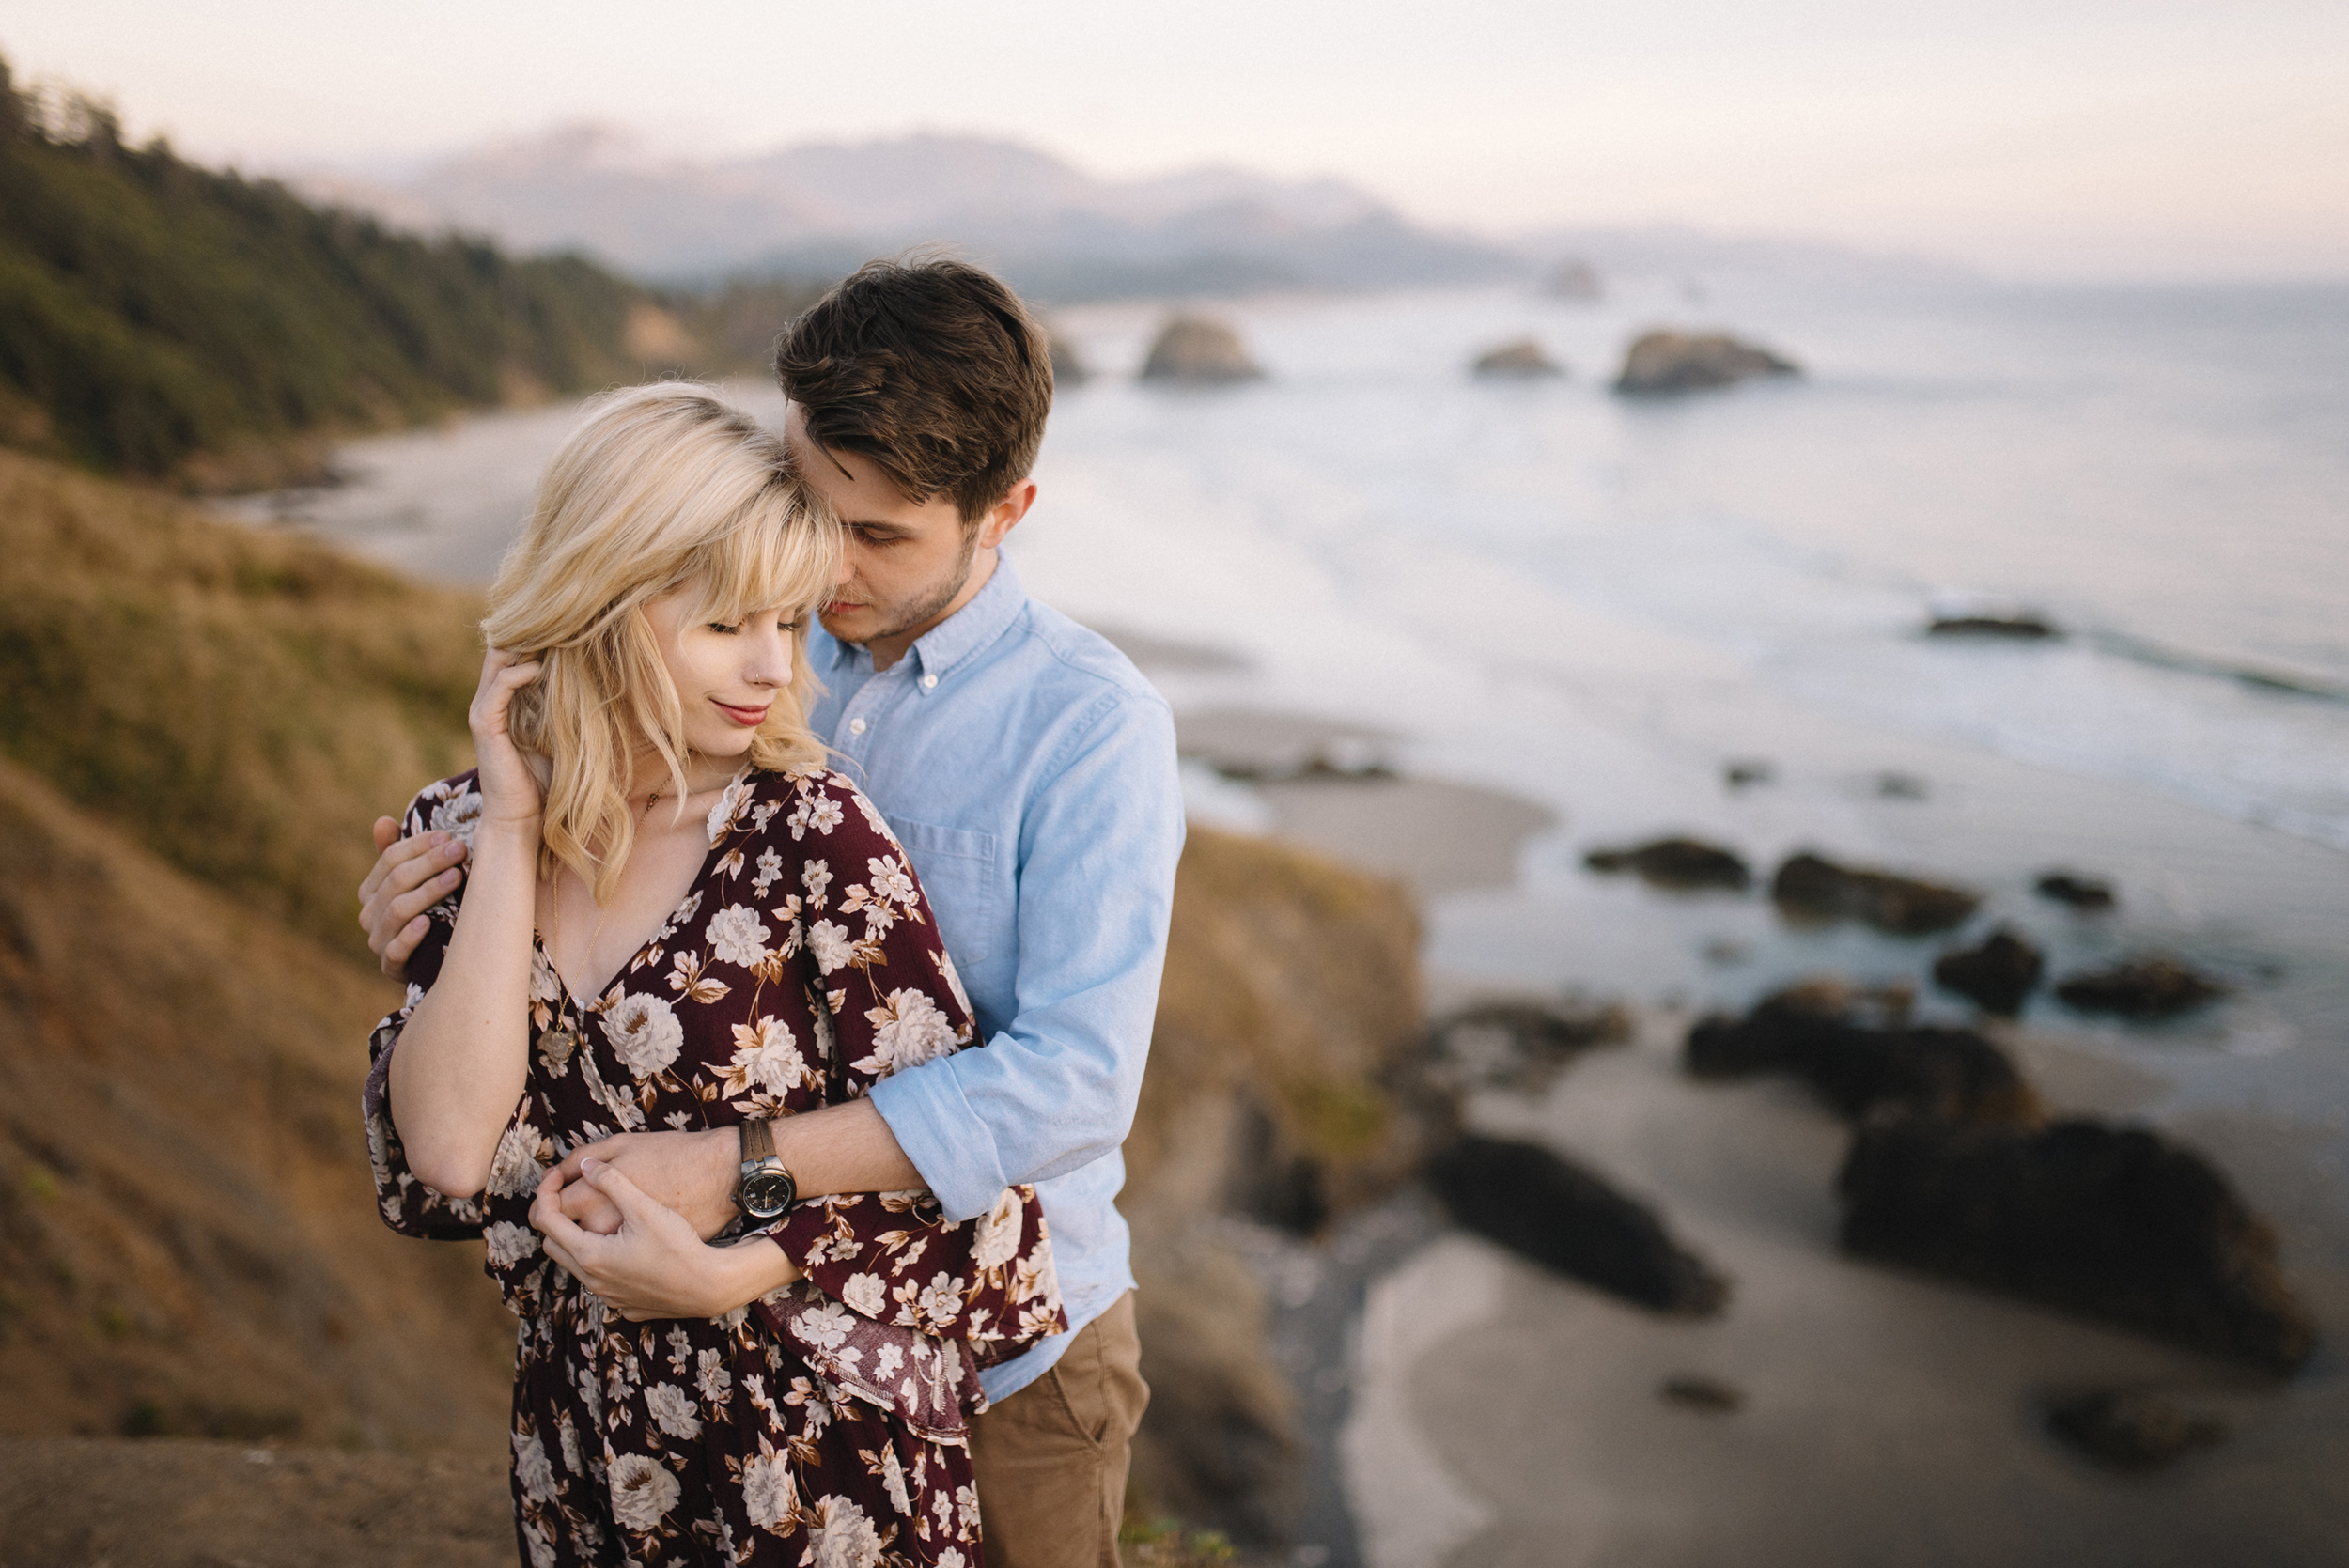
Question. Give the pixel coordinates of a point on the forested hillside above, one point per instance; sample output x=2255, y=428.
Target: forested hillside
x=164, y=320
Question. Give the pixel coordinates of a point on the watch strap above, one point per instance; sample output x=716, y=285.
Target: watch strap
x=758, y=1142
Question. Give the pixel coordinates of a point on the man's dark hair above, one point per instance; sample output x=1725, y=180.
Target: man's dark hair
x=929, y=368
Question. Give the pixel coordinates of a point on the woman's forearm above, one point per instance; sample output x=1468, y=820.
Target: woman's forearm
x=464, y=1056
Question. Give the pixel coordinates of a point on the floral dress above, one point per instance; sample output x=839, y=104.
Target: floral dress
x=825, y=1424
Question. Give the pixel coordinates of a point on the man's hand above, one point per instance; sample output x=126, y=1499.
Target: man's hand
x=654, y=1265
x=692, y=1174
x=410, y=876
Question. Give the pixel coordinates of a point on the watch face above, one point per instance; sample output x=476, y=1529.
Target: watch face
x=767, y=1193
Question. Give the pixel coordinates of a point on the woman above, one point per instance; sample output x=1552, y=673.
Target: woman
x=676, y=917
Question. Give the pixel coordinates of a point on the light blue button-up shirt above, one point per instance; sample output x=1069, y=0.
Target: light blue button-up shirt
x=1029, y=770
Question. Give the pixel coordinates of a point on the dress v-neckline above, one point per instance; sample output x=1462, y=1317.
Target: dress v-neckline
x=668, y=923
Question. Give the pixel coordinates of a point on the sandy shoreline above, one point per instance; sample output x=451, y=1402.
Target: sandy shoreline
x=1889, y=1416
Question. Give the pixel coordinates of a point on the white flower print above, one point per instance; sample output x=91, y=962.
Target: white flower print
x=873, y=818
x=843, y=1536
x=997, y=1240
x=714, y=1381
x=908, y=1030
x=645, y=1034
x=819, y=811
x=514, y=1170
x=944, y=961
x=721, y=813
x=770, y=870
x=825, y=1324
x=508, y=1243
x=643, y=1492
x=545, y=985
x=672, y=1408
x=542, y=1550
x=938, y=1303
x=764, y=1057
x=767, y=1489
x=532, y=1470
x=893, y=1479
x=738, y=936
x=890, y=881
x=566, y=1429
x=866, y=1294
x=459, y=817
x=815, y=877
x=831, y=944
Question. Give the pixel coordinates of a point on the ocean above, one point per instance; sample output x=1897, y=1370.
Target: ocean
x=1541, y=589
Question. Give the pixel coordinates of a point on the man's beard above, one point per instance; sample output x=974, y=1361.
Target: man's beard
x=935, y=603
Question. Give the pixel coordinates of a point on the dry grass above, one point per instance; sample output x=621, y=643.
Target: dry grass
x=188, y=1236
x=243, y=703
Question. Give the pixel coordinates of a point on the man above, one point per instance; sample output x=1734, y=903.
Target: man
x=1030, y=771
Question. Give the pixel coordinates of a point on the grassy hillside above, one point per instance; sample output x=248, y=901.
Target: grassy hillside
x=243, y=703
x=162, y=319
x=188, y=1236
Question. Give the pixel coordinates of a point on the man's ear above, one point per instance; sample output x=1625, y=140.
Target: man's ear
x=1006, y=514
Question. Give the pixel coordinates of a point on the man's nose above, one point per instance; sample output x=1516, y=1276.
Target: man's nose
x=847, y=570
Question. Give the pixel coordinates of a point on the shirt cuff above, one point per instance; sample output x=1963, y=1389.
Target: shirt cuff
x=947, y=1143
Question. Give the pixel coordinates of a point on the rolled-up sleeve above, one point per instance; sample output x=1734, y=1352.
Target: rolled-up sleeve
x=1055, y=1089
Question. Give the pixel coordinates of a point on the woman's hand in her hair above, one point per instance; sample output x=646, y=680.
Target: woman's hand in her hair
x=510, y=795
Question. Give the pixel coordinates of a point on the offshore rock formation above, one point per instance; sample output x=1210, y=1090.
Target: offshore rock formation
x=1667, y=362
x=2144, y=988
x=1861, y=1068
x=2116, y=1223
x=1574, y=279
x=2089, y=894
x=1516, y=1046
x=1811, y=887
x=1997, y=975
x=1192, y=351
x=2020, y=628
x=1519, y=359
x=1678, y=863
x=2130, y=1429
x=1565, y=1218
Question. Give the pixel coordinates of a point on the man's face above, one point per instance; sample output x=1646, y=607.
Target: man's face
x=905, y=563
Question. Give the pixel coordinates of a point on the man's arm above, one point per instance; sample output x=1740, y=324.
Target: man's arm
x=1055, y=1090
x=410, y=876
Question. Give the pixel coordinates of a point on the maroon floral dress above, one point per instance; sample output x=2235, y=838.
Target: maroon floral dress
x=825, y=1424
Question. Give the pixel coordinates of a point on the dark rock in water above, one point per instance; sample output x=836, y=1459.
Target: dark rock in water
x=1739, y=775
x=1669, y=362
x=1694, y=1390
x=2081, y=892
x=1811, y=887
x=2113, y=1221
x=1999, y=974
x=1069, y=367
x=1198, y=352
x=2020, y=627
x=2130, y=1429
x=1860, y=1068
x=1902, y=786
x=2141, y=988
x=1574, y=279
x=1516, y=1045
x=1567, y=1220
x=1516, y=360
x=1676, y=862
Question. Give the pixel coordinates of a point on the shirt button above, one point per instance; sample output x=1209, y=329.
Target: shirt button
x=930, y=680
x=856, y=727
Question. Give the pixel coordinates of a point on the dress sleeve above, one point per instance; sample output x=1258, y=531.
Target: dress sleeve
x=407, y=1205
x=883, y=995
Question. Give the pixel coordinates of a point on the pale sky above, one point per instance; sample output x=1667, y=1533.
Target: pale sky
x=2124, y=137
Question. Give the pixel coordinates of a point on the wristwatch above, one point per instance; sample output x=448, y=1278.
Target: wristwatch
x=766, y=1187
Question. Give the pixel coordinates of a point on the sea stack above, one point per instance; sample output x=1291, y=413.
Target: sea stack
x=1665, y=363
x=1193, y=350
x=1520, y=359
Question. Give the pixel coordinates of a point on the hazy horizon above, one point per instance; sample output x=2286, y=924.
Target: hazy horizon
x=2079, y=138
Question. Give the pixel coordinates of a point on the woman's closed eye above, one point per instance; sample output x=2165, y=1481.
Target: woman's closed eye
x=727, y=628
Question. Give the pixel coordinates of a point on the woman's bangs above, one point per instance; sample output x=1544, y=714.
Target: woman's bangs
x=773, y=560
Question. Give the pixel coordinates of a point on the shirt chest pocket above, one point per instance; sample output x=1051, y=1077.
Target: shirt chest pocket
x=957, y=869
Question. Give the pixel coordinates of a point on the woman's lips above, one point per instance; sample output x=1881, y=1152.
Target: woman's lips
x=749, y=717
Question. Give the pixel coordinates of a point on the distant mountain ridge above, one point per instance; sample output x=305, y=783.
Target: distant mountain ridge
x=820, y=207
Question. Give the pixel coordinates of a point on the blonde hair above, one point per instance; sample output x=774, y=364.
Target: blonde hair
x=663, y=487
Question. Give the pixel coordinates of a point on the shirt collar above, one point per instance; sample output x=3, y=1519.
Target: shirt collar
x=972, y=628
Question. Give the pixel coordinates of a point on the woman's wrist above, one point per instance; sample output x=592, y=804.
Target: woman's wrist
x=752, y=1267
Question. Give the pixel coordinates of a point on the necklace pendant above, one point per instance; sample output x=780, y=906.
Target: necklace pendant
x=556, y=1045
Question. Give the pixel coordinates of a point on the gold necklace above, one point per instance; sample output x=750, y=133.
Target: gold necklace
x=555, y=921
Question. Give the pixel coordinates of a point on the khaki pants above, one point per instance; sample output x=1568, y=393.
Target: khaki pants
x=1051, y=1458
